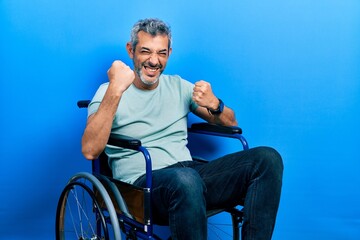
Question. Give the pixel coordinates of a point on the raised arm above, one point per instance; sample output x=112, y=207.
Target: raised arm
x=208, y=102
x=99, y=124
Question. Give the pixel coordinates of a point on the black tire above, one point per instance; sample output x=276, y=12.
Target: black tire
x=80, y=212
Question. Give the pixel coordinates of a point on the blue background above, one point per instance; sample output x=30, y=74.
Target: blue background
x=290, y=70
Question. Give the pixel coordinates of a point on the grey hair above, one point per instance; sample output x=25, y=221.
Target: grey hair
x=151, y=26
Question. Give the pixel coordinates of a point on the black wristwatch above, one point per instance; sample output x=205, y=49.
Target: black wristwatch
x=219, y=110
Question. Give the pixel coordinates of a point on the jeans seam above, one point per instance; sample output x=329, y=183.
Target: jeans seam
x=253, y=198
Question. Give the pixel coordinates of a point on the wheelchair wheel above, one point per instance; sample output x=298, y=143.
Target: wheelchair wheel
x=222, y=226
x=85, y=211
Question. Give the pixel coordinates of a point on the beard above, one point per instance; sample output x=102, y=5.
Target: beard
x=144, y=81
x=142, y=76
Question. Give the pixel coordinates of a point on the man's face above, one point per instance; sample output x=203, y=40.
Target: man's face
x=150, y=57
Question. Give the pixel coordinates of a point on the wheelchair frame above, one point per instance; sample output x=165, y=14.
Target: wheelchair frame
x=109, y=195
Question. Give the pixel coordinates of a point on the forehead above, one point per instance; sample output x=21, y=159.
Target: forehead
x=158, y=42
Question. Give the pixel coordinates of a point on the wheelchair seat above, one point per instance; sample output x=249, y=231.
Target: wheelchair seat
x=97, y=206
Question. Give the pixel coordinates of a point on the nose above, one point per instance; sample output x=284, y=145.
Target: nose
x=153, y=60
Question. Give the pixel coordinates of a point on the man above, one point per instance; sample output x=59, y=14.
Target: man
x=153, y=107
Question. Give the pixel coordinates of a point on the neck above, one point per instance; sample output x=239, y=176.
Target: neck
x=142, y=86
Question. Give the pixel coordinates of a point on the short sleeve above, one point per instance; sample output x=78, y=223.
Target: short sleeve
x=98, y=97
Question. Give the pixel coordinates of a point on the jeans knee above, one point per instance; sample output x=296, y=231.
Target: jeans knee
x=188, y=191
x=272, y=160
x=188, y=181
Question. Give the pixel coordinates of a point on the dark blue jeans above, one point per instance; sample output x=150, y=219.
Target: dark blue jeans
x=184, y=191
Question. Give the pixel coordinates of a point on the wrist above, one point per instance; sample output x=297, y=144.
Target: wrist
x=116, y=88
x=218, y=109
x=214, y=106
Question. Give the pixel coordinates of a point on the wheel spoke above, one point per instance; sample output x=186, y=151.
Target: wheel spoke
x=81, y=215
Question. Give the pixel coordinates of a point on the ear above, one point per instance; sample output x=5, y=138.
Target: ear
x=170, y=50
x=129, y=50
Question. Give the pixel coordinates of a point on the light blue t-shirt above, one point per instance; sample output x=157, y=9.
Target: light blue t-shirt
x=156, y=117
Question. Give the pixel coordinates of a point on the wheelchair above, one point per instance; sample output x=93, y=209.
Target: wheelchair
x=95, y=206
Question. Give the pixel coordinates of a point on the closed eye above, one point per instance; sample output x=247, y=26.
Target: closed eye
x=163, y=53
x=145, y=52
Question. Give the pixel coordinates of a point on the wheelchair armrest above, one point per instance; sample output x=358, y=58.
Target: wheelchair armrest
x=221, y=131
x=213, y=128
x=134, y=144
x=83, y=103
x=124, y=142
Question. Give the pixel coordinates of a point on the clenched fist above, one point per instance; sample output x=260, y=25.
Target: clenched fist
x=204, y=96
x=120, y=75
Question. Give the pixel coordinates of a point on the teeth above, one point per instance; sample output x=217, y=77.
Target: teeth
x=151, y=69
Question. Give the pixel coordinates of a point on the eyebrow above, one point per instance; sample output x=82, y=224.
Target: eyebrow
x=160, y=51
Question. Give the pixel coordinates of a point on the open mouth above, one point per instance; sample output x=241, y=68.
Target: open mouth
x=151, y=71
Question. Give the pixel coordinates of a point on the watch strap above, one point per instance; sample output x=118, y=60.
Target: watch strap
x=219, y=110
